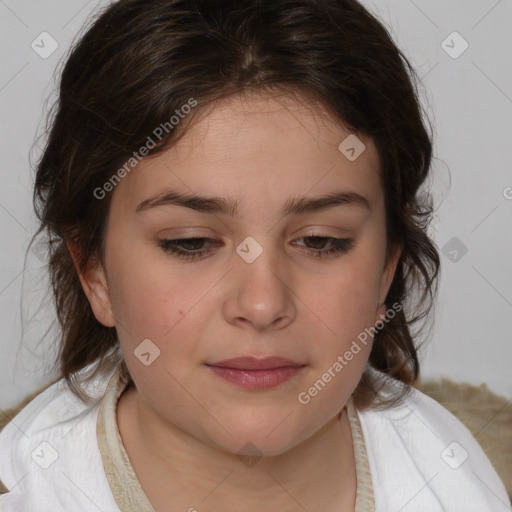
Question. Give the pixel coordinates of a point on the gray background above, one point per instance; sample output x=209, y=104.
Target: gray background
x=468, y=98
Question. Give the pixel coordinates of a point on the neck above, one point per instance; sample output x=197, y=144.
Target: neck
x=172, y=465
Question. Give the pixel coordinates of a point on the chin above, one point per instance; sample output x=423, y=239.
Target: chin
x=256, y=448
x=258, y=441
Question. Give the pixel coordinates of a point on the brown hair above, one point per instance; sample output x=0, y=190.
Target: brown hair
x=141, y=61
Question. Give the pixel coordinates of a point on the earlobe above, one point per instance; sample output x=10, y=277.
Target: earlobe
x=95, y=286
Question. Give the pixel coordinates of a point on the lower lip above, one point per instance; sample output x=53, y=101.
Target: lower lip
x=257, y=379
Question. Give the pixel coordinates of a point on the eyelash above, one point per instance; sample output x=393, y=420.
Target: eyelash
x=338, y=246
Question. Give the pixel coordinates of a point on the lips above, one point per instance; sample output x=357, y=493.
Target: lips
x=253, y=363
x=251, y=373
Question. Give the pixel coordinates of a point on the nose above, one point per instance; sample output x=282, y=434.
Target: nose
x=260, y=293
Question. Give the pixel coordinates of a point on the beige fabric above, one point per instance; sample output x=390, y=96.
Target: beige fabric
x=364, y=495
x=121, y=477
x=126, y=488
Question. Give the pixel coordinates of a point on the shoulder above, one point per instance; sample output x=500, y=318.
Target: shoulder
x=423, y=458
x=6, y=415
x=45, y=438
x=48, y=406
x=486, y=414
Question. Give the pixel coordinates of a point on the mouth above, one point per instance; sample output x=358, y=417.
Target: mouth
x=253, y=363
x=252, y=373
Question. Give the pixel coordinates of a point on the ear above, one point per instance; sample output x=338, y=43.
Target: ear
x=95, y=286
x=387, y=278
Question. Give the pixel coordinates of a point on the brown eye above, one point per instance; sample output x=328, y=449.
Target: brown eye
x=317, y=245
x=188, y=248
x=318, y=242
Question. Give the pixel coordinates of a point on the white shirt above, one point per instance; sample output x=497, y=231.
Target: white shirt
x=422, y=459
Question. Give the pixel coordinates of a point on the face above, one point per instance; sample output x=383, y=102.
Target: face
x=260, y=278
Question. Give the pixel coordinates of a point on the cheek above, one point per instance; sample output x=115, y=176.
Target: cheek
x=343, y=308
x=151, y=298
x=346, y=300
x=152, y=306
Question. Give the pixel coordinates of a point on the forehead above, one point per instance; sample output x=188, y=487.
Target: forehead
x=267, y=125
x=260, y=146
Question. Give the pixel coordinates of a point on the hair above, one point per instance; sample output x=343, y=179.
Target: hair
x=138, y=62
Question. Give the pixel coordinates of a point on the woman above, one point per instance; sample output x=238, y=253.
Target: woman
x=239, y=257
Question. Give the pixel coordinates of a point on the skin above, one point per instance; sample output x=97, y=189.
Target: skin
x=184, y=427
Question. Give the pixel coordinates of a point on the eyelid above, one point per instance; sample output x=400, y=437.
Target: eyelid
x=314, y=231
x=184, y=232
x=337, y=247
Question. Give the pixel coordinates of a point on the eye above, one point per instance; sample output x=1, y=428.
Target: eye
x=318, y=246
x=187, y=248
x=336, y=245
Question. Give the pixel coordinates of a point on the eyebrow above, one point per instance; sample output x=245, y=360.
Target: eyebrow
x=227, y=206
